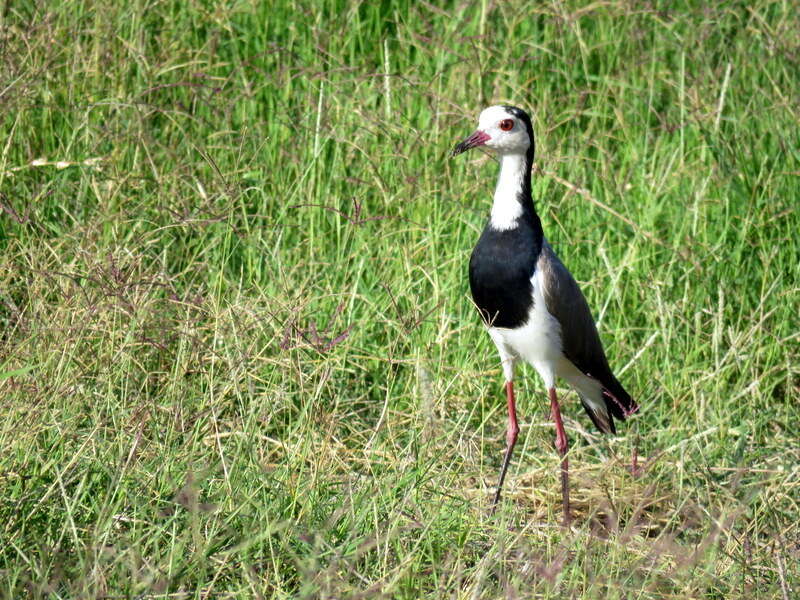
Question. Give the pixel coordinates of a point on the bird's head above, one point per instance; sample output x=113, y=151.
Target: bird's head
x=504, y=129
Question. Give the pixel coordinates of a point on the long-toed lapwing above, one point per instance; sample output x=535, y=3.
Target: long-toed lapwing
x=529, y=301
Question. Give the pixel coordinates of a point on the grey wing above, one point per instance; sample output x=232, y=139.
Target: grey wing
x=580, y=341
x=564, y=299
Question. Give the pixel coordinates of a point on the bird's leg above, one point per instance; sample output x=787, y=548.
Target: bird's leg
x=511, y=439
x=562, y=446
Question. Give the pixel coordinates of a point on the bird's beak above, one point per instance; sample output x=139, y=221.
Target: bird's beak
x=479, y=138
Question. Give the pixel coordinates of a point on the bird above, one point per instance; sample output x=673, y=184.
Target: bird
x=530, y=304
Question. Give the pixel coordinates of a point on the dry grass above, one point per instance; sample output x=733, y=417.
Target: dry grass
x=237, y=355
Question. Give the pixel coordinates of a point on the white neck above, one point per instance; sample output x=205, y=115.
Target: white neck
x=507, y=208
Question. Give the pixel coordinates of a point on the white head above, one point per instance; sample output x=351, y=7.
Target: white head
x=504, y=129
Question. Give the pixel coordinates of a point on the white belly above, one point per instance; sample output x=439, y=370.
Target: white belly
x=538, y=342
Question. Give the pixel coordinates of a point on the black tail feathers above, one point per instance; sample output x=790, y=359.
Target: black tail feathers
x=618, y=401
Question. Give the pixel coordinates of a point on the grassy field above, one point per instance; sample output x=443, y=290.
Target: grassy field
x=238, y=354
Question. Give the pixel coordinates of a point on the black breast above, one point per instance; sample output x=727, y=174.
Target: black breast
x=500, y=272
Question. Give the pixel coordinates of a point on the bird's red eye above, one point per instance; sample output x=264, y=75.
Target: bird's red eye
x=507, y=124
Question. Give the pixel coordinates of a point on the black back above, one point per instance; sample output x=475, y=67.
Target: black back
x=500, y=272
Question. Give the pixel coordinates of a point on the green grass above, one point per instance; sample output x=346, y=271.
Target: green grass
x=238, y=357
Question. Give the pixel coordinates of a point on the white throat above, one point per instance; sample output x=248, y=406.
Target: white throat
x=507, y=208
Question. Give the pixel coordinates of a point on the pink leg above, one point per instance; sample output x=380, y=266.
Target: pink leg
x=562, y=446
x=511, y=439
